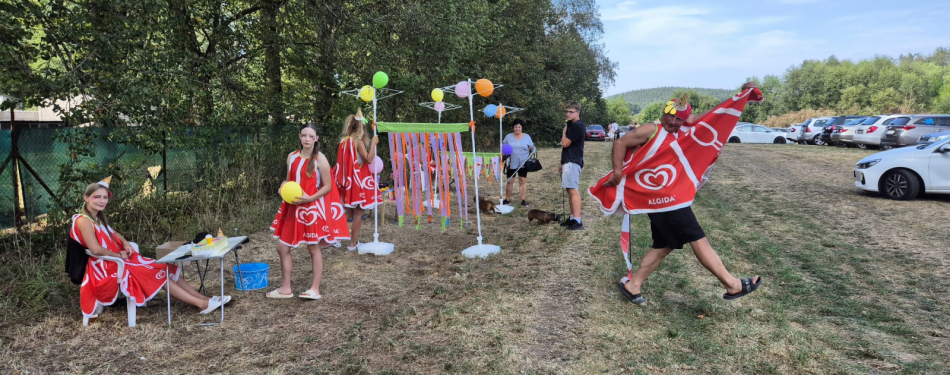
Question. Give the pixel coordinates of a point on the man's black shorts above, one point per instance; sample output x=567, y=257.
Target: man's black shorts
x=675, y=228
x=511, y=172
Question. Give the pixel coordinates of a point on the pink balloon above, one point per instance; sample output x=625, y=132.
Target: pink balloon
x=463, y=89
x=377, y=165
x=439, y=106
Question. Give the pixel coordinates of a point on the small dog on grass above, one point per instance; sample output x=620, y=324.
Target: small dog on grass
x=485, y=205
x=543, y=217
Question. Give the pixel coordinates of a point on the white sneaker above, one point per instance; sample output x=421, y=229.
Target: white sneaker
x=353, y=248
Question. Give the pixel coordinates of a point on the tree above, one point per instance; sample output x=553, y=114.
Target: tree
x=618, y=111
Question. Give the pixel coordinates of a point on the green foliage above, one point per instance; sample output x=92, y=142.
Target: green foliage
x=618, y=111
x=909, y=84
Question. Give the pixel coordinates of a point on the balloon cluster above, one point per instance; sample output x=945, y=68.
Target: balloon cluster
x=368, y=93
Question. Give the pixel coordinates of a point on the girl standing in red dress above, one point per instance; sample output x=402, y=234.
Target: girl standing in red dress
x=141, y=278
x=356, y=183
x=315, y=218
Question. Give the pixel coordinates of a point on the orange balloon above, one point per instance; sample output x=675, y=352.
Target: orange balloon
x=501, y=112
x=484, y=87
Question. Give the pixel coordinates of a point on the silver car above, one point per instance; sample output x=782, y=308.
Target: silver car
x=898, y=136
x=927, y=139
x=868, y=134
x=813, y=128
x=843, y=135
x=794, y=132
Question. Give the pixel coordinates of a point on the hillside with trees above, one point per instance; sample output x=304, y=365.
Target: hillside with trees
x=644, y=97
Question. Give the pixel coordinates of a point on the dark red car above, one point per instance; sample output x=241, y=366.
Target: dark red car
x=596, y=132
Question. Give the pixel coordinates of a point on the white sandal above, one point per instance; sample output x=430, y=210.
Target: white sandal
x=309, y=294
x=354, y=248
x=213, y=304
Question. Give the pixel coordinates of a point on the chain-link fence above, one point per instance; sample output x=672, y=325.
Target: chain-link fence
x=66, y=160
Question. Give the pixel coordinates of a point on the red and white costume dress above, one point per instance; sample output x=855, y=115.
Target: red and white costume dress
x=357, y=184
x=310, y=223
x=141, y=279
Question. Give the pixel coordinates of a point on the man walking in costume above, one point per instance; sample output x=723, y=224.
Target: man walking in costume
x=655, y=169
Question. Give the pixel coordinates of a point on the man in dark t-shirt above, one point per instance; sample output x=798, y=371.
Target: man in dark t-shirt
x=572, y=161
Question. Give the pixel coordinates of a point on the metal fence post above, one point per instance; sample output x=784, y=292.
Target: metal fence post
x=164, y=164
x=17, y=213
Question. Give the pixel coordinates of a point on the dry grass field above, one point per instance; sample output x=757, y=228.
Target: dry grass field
x=853, y=284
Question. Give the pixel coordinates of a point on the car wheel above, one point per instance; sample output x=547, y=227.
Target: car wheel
x=900, y=184
x=734, y=140
x=817, y=141
x=862, y=146
x=779, y=141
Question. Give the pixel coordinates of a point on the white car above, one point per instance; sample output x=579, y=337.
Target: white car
x=868, y=134
x=745, y=132
x=903, y=173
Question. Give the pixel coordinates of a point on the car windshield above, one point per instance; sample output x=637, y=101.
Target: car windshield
x=820, y=122
x=870, y=120
x=932, y=145
x=900, y=121
x=595, y=127
x=853, y=121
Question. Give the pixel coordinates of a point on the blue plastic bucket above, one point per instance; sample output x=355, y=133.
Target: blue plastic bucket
x=252, y=276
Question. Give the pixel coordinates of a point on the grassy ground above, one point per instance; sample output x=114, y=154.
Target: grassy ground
x=853, y=284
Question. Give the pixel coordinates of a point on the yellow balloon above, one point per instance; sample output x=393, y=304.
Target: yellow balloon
x=437, y=95
x=367, y=93
x=291, y=191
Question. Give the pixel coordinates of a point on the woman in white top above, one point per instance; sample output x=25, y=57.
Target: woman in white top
x=521, y=148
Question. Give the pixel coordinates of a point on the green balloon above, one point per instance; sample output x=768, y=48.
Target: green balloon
x=380, y=80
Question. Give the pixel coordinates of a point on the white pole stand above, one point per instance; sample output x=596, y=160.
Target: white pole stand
x=481, y=250
x=375, y=247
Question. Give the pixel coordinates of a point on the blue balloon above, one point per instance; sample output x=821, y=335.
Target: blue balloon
x=506, y=149
x=490, y=110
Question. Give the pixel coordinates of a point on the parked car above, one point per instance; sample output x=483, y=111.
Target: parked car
x=844, y=134
x=904, y=173
x=596, y=132
x=927, y=139
x=898, y=136
x=753, y=133
x=813, y=127
x=794, y=133
x=837, y=123
x=868, y=135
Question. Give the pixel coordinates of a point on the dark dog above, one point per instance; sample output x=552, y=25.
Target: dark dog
x=485, y=205
x=543, y=217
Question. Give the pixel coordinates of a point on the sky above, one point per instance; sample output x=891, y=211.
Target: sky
x=718, y=44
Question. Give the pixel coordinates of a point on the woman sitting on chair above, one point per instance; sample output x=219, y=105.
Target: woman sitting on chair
x=141, y=278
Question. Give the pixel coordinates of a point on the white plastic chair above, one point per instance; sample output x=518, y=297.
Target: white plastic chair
x=130, y=302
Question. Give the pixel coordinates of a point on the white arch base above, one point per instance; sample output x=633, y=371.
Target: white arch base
x=376, y=248
x=481, y=251
x=504, y=209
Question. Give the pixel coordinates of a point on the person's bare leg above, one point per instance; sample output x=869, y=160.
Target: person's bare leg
x=648, y=264
x=574, y=198
x=286, y=263
x=357, y=224
x=511, y=182
x=181, y=295
x=523, y=186
x=187, y=288
x=709, y=259
x=316, y=257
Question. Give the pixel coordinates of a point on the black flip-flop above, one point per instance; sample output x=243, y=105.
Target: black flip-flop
x=636, y=299
x=747, y=287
